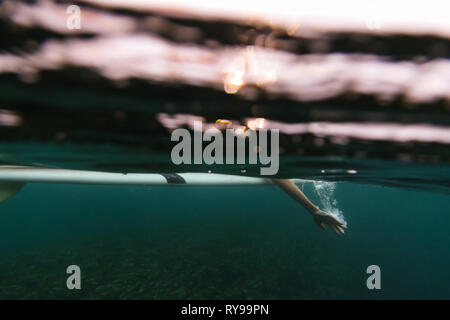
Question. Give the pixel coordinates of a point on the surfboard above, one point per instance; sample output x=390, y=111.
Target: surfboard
x=68, y=176
x=13, y=178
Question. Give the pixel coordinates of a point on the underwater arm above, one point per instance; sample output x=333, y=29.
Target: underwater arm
x=320, y=217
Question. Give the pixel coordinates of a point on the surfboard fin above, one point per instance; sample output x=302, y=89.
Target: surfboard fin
x=9, y=189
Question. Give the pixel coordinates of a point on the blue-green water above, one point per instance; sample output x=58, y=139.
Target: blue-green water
x=364, y=111
x=200, y=243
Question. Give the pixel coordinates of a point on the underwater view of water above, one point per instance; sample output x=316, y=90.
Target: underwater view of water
x=363, y=113
x=222, y=243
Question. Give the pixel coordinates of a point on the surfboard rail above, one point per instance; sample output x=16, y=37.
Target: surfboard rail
x=68, y=176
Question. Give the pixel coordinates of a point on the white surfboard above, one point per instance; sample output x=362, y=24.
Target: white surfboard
x=13, y=178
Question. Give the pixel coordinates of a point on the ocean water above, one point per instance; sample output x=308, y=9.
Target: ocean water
x=362, y=106
x=222, y=242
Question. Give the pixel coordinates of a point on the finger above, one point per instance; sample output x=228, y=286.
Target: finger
x=338, y=230
x=335, y=229
x=341, y=224
x=322, y=225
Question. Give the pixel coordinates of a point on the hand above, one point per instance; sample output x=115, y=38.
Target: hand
x=323, y=218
